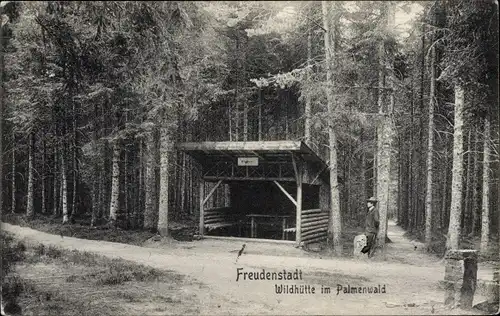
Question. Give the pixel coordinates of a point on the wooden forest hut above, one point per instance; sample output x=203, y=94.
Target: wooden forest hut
x=277, y=189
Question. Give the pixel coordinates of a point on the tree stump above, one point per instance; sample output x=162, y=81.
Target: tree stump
x=359, y=243
x=460, y=277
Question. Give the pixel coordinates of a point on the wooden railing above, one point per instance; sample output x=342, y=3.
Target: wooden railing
x=314, y=225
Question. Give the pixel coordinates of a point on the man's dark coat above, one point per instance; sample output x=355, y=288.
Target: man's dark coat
x=372, y=223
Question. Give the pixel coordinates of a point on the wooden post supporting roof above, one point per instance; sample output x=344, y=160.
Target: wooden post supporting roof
x=299, y=170
x=202, y=203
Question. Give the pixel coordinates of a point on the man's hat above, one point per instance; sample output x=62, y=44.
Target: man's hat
x=372, y=199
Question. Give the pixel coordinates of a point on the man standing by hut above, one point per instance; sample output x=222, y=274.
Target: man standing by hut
x=372, y=224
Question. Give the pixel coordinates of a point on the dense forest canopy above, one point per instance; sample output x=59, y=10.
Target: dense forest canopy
x=399, y=98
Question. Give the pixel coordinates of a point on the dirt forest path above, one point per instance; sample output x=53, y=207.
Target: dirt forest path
x=213, y=263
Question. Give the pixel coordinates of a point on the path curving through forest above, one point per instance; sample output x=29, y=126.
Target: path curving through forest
x=410, y=289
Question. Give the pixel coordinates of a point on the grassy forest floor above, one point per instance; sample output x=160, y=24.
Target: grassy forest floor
x=49, y=280
x=200, y=277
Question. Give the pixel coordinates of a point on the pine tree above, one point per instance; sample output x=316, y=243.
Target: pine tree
x=330, y=57
x=485, y=216
x=457, y=171
x=430, y=154
x=164, y=180
x=115, y=183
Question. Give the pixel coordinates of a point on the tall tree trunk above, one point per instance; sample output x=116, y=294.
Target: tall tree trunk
x=30, y=211
x=115, y=184
x=485, y=216
x=393, y=153
x=1, y=124
x=467, y=214
x=307, y=123
x=384, y=143
x=230, y=122
x=1, y=117
x=95, y=196
x=75, y=165
x=135, y=185
x=444, y=204
x=42, y=174
x=237, y=93
x=364, y=185
x=102, y=165
x=475, y=185
x=400, y=188
x=420, y=170
x=285, y=104
x=383, y=178
x=176, y=171
x=457, y=171
x=149, y=183
x=44, y=159
x=378, y=130
x=348, y=187
x=335, y=229
x=245, y=120
x=54, y=183
x=126, y=188
x=260, y=114
x=245, y=101
x=95, y=165
x=163, y=208
x=430, y=154
x=60, y=200
x=411, y=155
x=13, y=180
x=156, y=175
x=183, y=182
x=405, y=185
x=141, y=183
x=64, y=186
x=392, y=148
x=280, y=132
x=496, y=83
x=374, y=164
x=102, y=182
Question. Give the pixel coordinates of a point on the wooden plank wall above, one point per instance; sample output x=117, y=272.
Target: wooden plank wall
x=314, y=225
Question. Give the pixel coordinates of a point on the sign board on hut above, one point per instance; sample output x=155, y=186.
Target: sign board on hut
x=248, y=161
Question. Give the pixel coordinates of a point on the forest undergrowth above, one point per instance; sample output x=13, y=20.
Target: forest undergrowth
x=47, y=280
